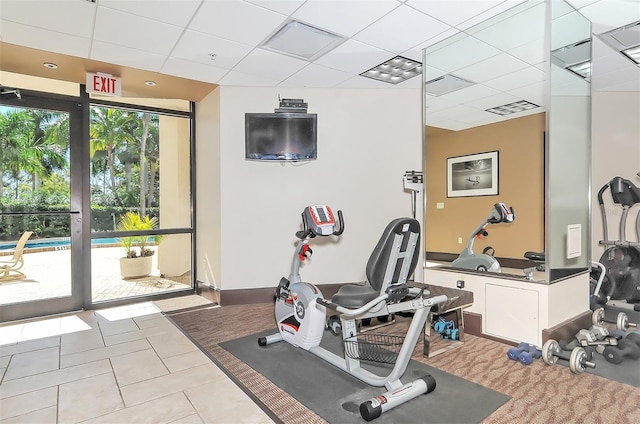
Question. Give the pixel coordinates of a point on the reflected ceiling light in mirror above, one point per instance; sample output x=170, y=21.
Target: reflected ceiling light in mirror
x=446, y=84
x=514, y=107
x=626, y=40
x=395, y=70
x=302, y=41
x=633, y=54
x=575, y=58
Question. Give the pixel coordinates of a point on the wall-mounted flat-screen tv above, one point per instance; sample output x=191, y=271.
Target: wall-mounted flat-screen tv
x=281, y=136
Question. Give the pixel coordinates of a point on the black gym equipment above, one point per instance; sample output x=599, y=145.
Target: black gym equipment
x=621, y=258
x=598, y=317
x=624, y=349
x=578, y=359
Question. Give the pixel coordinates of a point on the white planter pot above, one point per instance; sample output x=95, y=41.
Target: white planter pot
x=136, y=267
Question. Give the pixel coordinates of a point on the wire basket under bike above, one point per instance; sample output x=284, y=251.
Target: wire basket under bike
x=382, y=348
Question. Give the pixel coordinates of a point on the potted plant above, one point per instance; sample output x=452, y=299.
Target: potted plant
x=139, y=258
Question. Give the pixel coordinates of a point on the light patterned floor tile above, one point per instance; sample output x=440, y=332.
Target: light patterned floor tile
x=80, y=341
x=171, y=344
x=41, y=416
x=191, y=419
x=220, y=402
x=28, y=402
x=172, y=408
x=53, y=378
x=103, y=353
x=186, y=361
x=88, y=398
x=29, y=346
x=137, y=366
x=34, y=362
x=136, y=335
x=109, y=328
x=154, y=388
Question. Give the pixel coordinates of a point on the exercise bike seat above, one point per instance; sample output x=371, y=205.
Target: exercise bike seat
x=386, y=265
x=534, y=256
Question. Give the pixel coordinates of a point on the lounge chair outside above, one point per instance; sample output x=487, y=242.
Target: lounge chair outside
x=9, y=268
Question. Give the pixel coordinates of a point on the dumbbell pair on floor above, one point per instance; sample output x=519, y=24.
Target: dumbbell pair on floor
x=628, y=348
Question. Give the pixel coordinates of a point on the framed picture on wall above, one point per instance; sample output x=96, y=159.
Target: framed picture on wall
x=473, y=175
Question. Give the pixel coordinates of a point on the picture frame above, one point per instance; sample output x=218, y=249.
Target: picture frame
x=473, y=175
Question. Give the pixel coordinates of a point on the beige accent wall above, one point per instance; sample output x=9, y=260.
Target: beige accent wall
x=520, y=143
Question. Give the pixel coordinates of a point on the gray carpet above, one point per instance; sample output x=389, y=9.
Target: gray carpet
x=336, y=396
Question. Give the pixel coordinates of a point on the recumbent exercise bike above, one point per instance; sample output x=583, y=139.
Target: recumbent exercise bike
x=300, y=309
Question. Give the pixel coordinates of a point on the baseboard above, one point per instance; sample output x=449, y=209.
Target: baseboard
x=210, y=293
x=264, y=294
x=568, y=329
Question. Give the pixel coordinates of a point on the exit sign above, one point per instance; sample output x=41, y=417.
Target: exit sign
x=104, y=84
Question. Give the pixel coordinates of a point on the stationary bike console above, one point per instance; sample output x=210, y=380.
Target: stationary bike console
x=318, y=220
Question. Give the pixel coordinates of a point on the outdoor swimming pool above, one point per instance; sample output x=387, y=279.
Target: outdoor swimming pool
x=55, y=243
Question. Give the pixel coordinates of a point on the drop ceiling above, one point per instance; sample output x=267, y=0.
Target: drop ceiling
x=218, y=42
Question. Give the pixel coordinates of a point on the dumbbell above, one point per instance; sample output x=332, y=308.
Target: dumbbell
x=634, y=337
x=525, y=353
x=624, y=349
x=578, y=360
x=622, y=321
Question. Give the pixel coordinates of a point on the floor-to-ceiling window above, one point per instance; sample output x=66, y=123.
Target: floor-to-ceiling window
x=97, y=184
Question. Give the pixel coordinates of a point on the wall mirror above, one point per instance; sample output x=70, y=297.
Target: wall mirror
x=486, y=92
x=569, y=143
x=517, y=84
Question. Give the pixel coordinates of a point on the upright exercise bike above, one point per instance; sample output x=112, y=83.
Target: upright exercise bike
x=300, y=309
x=483, y=261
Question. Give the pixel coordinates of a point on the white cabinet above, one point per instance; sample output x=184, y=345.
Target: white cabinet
x=512, y=313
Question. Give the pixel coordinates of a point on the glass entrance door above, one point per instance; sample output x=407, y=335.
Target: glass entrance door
x=40, y=207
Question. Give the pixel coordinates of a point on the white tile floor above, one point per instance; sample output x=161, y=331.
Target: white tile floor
x=121, y=365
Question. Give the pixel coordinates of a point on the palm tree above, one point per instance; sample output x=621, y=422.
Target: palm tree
x=111, y=129
x=50, y=142
x=15, y=127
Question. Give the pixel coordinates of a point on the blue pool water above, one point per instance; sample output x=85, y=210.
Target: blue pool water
x=54, y=242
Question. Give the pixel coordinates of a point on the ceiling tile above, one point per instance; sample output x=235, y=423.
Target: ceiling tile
x=569, y=29
x=285, y=7
x=132, y=31
x=197, y=47
x=506, y=7
x=493, y=101
x=491, y=68
x=314, y=75
x=364, y=82
x=623, y=79
x=517, y=30
x=193, y=70
x=344, y=17
x=533, y=53
x=451, y=124
x=415, y=82
x=481, y=117
x=432, y=73
x=577, y=4
x=453, y=12
x=469, y=94
x=460, y=54
x=354, y=57
x=269, y=65
x=534, y=93
x=516, y=79
x=237, y=21
x=67, y=17
x=37, y=38
x=175, y=12
x=612, y=13
x=235, y=78
x=111, y=53
x=401, y=29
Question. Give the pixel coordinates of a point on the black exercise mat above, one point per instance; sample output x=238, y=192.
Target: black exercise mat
x=336, y=396
x=627, y=372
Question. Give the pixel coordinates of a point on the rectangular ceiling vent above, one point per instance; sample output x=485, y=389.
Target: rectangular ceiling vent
x=575, y=58
x=625, y=40
x=446, y=84
x=303, y=41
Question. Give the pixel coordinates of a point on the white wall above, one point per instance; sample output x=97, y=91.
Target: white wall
x=208, y=220
x=367, y=139
x=615, y=152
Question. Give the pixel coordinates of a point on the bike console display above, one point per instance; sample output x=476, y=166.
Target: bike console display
x=320, y=219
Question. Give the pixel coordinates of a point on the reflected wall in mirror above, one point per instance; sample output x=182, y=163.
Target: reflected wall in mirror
x=569, y=143
x=485, y=90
